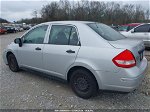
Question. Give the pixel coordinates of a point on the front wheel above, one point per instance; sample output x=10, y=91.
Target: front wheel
x=12, y=63
x=83, y=83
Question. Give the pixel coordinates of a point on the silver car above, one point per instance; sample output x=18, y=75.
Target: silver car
x=141, y=32
x=89, y=55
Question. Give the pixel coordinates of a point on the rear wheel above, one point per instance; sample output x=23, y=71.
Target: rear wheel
x=83, y=83
x=12, y=63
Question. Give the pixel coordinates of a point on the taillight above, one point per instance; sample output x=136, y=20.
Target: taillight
x=125, y=59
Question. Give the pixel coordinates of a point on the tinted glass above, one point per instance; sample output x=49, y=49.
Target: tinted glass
x=130, y=27
x=106, y=32
x=73, y=37
x=142, y=28
x=36, y=35
x=63, y=35
x=123, y=28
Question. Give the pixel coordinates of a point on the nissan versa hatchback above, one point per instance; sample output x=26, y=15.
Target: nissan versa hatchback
x=89, y=55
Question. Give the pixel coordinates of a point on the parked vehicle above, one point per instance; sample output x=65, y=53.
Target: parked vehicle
x=19, y=28
x=16, y=29
x=89, y=55
x=115, y=27
x=141, y=32
x=2, y=30
x=127, y=27
x=26, y=27
x=11, y=29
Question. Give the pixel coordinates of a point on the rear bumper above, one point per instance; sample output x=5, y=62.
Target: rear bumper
x=125, y=80
x=131, y=84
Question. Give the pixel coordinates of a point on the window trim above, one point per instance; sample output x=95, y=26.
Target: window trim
x=78, y=44
x=32, y=30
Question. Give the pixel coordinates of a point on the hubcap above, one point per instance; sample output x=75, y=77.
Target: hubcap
x=81, y=84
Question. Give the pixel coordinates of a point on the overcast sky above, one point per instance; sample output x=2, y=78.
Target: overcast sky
x=14, y=10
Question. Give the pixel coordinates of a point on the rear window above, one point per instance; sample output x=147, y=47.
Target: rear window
x=106, y=32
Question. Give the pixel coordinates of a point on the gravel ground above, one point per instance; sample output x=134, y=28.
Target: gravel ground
x=30, y=90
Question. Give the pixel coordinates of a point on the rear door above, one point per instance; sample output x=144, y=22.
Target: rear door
x=61, y=50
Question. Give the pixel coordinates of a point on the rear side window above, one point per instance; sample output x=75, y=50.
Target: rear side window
x=106, y=32
x=142, y=28
x=63, y=35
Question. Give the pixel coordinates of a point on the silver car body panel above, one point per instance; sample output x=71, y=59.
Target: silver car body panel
x=94, y=54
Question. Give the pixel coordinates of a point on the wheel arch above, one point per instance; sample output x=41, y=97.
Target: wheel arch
x=73, y=68
x=5, y=55
x=8, y=53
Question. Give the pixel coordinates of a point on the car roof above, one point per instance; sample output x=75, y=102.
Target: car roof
x=144, y=23
x=69, y=22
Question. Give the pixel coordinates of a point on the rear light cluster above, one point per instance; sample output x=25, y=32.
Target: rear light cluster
x=125, y=59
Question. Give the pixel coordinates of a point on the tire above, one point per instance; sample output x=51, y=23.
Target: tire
x=12, y=63
x=83, y=83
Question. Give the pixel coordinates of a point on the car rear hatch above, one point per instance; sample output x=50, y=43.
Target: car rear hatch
x=135, y=46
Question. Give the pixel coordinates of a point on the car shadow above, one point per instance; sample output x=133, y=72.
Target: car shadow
x=101, y=93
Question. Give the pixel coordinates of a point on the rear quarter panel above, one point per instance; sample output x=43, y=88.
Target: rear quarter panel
x=99, y=59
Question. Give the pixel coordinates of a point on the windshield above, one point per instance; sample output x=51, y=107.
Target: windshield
x=123, y=28
x=106, y=32
x=130, y=27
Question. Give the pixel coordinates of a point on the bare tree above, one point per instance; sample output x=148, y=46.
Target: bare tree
x=106, y=12
x=35, y=14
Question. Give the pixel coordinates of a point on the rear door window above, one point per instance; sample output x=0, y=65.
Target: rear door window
x=63, y=35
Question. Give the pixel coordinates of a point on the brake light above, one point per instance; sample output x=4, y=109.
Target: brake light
x=125, y=59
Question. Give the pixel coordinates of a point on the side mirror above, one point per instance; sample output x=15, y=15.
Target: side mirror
x=132, y=31
x=18, y=41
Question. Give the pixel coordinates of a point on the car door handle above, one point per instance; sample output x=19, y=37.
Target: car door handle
x=70, y=51
x=37, y=48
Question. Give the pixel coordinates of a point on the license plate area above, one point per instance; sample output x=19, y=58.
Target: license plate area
x=141, y=53
x=141, y=56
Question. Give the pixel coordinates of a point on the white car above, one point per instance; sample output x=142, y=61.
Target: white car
x=141, y=32
x=89, y=55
